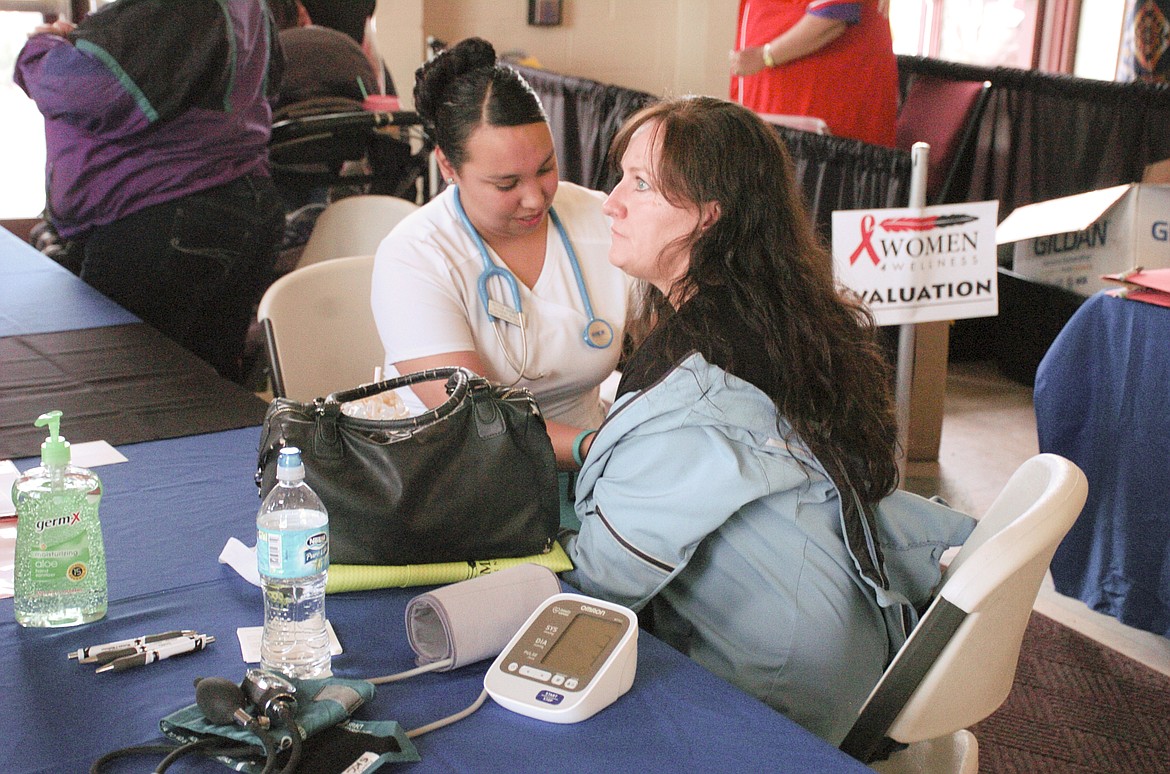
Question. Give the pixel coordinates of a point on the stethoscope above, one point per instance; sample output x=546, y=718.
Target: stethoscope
x=597, y=333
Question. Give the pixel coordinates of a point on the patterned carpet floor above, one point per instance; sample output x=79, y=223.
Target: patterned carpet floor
x=1077, y=706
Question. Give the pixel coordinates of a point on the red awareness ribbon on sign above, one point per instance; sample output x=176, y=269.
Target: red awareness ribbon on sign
x=866, y=242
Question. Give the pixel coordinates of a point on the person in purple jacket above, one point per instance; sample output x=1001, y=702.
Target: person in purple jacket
x=157, y=123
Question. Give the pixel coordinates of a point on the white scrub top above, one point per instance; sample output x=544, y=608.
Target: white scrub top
x=425, y=301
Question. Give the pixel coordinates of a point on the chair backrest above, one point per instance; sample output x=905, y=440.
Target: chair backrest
x=354, y=225
x=945, y=114
x=803, y=123
x=319, y=329
x=958, y=665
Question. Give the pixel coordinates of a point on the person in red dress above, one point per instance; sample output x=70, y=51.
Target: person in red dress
x=827, y=59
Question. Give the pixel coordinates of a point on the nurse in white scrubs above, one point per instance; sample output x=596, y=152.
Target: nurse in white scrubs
x=506, y=272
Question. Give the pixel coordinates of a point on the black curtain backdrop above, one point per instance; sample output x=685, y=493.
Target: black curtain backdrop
x=1040, y=136
x=584, y=116
x=839, y=173
x=835, y=173
x=1043, y=136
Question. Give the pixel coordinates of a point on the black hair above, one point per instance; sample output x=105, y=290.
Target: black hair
x=465, y=87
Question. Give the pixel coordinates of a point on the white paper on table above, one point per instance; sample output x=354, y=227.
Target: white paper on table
x=8, y=475
x=7, y=556
x=94, y=454
x=242, y=559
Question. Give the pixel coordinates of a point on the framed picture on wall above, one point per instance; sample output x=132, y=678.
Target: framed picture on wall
x=545, y=13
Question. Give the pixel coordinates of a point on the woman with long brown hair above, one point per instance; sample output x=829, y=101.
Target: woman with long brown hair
x=741, y=492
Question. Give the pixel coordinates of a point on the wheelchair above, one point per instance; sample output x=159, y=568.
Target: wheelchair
x=327, y=148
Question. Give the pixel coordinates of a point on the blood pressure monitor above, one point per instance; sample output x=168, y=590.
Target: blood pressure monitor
x=573, y=657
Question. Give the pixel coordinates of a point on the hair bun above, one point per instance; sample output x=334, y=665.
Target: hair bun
x=435, y=77
x=471, y=53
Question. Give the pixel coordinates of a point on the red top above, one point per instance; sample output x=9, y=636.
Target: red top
x=852, y=83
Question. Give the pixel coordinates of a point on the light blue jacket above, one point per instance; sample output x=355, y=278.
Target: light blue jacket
x=693, y=505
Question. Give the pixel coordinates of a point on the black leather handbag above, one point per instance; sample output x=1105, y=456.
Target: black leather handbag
x=472, y=479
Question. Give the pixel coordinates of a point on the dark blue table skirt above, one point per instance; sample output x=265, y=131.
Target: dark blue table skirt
x=1103, y=401
x=118, y=383
x=166, y=515
x=39, y=296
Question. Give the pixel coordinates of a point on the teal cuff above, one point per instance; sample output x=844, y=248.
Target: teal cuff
x=580, y=439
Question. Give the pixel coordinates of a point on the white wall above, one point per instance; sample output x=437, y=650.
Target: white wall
x=400, y=38
x=666, y=47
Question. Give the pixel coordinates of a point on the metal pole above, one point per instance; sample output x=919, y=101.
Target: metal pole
x=907, y=332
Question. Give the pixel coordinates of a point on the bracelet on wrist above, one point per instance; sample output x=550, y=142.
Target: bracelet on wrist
x=577, y=442
x=767, y=56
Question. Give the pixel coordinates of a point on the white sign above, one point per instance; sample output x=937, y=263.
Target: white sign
x=919, y=265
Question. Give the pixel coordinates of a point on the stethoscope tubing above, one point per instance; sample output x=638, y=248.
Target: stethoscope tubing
x=598, y=333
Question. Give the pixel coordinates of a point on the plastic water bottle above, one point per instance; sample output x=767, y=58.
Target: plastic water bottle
x=60, y=573
x=292, y=553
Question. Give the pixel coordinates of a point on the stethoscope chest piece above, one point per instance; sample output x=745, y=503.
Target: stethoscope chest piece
x=598, y=333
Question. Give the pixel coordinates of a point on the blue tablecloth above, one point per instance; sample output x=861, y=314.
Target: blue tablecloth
x=166, y=515
x=39, y=296
x=1103, y=401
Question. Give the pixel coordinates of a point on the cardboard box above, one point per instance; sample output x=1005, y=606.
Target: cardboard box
x=1070, y=242
x=1158, y=172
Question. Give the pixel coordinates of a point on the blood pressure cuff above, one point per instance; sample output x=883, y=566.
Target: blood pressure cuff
x=331, y=738
x=475, y=619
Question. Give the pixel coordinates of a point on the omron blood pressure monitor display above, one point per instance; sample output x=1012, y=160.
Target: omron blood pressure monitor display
x=582, y=646
x=574, y=656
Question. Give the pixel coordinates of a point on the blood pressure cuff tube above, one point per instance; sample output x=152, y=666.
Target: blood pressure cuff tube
x=474, y=619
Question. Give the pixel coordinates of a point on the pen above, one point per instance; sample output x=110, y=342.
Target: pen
x=162, y=650
x=90, y=654
x=106, y=656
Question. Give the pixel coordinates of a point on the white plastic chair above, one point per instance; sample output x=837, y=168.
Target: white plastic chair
x=959, y=663
x=957, y=753
x=354, y=225
x=319, y=329
x=803, y=123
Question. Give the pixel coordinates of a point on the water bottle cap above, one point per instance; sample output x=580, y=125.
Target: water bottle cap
x=289, y=466
x=55, y=449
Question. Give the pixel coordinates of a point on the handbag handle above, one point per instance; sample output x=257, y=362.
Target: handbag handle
x=459, y=382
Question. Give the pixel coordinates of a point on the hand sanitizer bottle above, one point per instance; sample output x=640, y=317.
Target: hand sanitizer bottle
x=60, y=576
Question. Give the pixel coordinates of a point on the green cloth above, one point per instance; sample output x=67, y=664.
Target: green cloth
x=361, y=577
